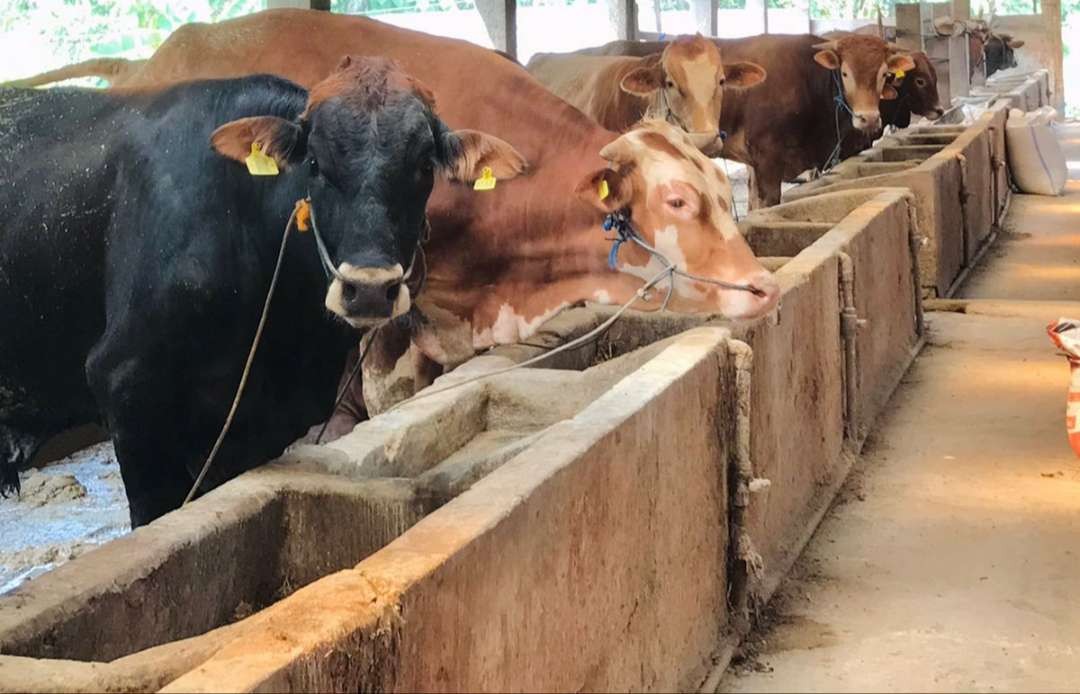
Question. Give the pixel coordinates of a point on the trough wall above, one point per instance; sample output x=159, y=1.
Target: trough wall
x=603, y=551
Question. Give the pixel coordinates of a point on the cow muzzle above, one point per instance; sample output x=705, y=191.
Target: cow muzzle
x=866, y=121
x=366, y=296
x=750, y=305
x=706, y=141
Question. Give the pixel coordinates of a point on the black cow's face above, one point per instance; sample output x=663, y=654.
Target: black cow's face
x=370, y=146
x=1000, y=52
x=918, y=91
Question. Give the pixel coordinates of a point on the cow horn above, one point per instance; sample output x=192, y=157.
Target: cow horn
x=827, y=46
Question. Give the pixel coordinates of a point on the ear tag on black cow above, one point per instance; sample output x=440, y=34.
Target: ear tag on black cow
x=899, y=74
x=259, y=164
x=486, y=181
x=604, y=191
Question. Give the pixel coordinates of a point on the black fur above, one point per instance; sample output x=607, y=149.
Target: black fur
x=134, y=261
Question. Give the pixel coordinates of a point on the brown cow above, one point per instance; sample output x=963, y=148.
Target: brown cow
x=502, y=261
x=684, y=84
x=795, y=121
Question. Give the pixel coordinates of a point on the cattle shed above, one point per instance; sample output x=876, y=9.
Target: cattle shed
x=867, y=488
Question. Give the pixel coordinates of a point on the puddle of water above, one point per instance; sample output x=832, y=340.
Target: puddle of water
x=66, y=508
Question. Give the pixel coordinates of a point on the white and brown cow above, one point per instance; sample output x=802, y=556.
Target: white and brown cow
x=683, y=84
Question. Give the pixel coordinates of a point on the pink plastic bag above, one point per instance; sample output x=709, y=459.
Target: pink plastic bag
x=1065, y=333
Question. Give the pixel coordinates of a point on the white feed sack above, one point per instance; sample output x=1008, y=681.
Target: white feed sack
x=1035, y=157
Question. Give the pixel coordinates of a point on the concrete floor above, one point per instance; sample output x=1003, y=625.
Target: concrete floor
x=951, y=560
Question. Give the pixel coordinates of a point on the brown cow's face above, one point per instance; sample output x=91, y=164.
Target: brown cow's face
x=863, y=62
x=680, y=202
x=686, y=84
x=919, y=88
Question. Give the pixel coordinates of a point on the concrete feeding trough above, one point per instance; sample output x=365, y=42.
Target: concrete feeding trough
x=1025, y=91
x=958, y=176
x=613, y=517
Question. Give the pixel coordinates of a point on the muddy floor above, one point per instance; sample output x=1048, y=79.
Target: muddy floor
x=65, y=509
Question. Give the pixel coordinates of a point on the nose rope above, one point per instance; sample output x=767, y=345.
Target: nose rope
x=328, y=264
x=840, y=99
x=620, y=223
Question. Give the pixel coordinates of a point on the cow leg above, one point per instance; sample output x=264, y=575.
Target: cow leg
x=138, y=406
x=17, y=448
x=764, y=187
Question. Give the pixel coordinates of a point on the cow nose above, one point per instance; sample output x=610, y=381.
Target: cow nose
x=370, y=299
x=764, y=297
x=867, y=121
x=367, y=295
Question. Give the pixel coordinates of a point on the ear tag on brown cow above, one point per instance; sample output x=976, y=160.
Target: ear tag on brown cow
x=604, y=191
x=486, y=181
x=303, y=215
x=259, y=164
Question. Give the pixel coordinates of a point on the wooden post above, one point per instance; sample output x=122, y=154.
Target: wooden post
x=500, y=19
x=1051, y=17
x=623, y=17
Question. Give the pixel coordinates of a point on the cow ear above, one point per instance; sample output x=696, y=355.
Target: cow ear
x=900, y=62
x=743, y=75
x=645, y=79
x=827, y=59
x=888, y=92
x=1015, y=43
x=464, y=154
x=277, y=138
x=607, y=190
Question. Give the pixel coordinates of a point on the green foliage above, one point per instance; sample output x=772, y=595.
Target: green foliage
x=81, y=29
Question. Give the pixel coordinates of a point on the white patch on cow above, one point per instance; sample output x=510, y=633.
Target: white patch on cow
x=601, y=296
x=371, y=275
x=509, y=327
x=667, y=244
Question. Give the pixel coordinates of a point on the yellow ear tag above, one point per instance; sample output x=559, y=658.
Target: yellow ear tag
x=259, y=164
x=604, y=190
x=899, y=74
x=486, y=181
x=303, y=215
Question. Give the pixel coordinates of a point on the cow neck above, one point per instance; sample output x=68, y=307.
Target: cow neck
x=503, y=262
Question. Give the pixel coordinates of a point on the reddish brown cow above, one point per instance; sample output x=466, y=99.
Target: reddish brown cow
x=502, y=261
x=684, y=84
x=793, y=121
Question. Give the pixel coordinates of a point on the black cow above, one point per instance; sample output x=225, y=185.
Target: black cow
x=135, y=259
x=1000, y=51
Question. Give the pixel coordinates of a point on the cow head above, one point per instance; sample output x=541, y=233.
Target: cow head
x=918, y=94
x=686, y=85
x=1000, y=52
x=680, y=203
x=368, y=147
x=863, y=63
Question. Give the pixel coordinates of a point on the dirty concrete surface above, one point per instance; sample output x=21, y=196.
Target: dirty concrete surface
x=65, y=508
x=950, y=560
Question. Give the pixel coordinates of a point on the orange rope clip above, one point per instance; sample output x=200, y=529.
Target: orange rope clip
x=303, y=215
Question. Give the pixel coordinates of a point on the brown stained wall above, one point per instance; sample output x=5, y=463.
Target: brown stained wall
x=796, y=417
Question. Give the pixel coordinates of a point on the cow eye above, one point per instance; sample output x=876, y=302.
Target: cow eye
x=676, y=203
x=670, y=84
x=314, y=166
x=920, y=82
x=844, y=73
